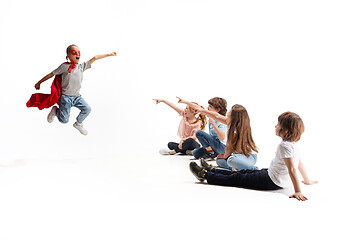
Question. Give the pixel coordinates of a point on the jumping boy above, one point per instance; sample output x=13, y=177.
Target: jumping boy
x=71, y=78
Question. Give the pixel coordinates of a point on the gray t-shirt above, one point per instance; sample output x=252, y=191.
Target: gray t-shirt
x=71, y=82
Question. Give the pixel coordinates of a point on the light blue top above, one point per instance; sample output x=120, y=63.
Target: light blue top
x=222, y=128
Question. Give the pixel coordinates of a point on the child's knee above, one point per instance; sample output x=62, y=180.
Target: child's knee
x=231, y=161
x=237, y=161
x=220, y=162
x=172, y=145
x=63, y=114
x=63, y=119
x=199, y=133
x=87, y=109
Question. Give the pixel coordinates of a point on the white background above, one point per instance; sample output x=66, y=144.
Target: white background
x=269, y=56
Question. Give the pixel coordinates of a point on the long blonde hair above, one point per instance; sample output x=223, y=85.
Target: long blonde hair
x=199, y=116
x=239, y=132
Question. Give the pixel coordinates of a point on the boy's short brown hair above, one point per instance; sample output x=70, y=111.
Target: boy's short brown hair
x=219, y=103
x=291, y=126
x=68, y=49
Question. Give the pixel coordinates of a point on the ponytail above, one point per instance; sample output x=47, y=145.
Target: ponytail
x=200, y=116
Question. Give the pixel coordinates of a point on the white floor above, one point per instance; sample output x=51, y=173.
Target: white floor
x=269, y=56
x=153, y=197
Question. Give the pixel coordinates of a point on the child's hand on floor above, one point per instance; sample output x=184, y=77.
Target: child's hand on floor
x=299, y=196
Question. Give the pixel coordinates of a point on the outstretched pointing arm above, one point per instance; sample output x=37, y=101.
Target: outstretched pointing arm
x=97, y=57
x=170, y=104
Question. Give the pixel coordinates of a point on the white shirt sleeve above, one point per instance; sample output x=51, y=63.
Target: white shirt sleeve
x=286, y=150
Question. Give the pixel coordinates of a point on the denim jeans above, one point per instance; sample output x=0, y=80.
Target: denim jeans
x=252, y=179
x=238, y=161
x=66, y=103
x=207, y=140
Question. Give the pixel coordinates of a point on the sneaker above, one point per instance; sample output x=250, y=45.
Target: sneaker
x=80, y=127
x=164, y=151
x=198, y=172
x=209, y=157
x=205, y=165
x=52, y=114
x=189, y=152
x=172, y=152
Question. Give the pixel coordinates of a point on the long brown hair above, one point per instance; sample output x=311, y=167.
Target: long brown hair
x=199, y=116
x=239, y=131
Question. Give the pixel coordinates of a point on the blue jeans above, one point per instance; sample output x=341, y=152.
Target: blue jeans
x=66, y=103
x=207, y=140
x=238, y=161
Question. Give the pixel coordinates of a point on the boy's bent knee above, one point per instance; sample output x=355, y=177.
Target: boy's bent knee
x=63, y=120
x=199, y=133
x=86, y=110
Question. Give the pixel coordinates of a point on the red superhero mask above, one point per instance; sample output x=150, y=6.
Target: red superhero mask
x=74, y=52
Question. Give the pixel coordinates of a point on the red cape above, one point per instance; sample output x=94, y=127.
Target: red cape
x=43, y=100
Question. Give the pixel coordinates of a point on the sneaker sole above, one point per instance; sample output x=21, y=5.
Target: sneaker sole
x=202, y=161
x=83, y=133
x=200, y=179
x=51, y=115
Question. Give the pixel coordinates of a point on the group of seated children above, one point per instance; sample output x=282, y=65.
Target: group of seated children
x=230, y=141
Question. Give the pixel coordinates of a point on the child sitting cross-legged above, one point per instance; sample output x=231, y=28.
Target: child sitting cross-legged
x=240, y=151
x=189, y=124
x=214, y=142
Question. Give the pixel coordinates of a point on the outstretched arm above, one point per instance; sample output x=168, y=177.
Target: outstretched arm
x=303, y=173
x=192, y=105
x=170, y=104
x=211, y=114
x=214, y=115
x=97, y=57
x=37, y=85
